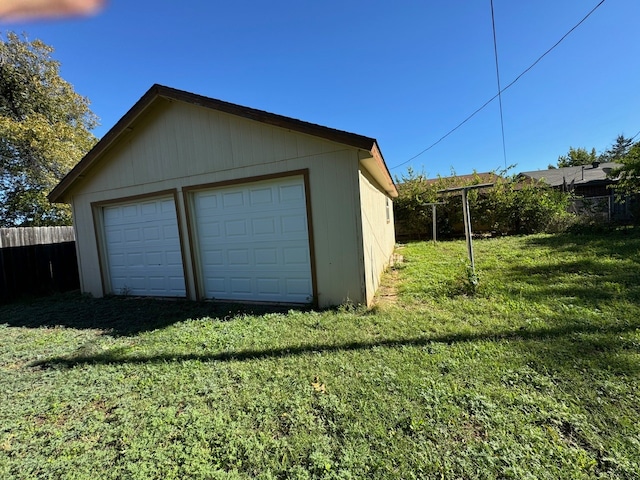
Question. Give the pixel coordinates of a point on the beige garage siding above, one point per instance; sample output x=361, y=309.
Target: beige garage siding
x=178, y=145
x=377, y=231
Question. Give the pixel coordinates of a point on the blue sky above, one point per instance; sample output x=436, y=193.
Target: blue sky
x=403, y=72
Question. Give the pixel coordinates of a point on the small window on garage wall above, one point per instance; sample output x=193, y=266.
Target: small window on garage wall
x=388, y=209
x=141, y=245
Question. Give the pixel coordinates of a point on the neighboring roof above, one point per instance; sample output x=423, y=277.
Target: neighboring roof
x=157, y=92
x=580, y=175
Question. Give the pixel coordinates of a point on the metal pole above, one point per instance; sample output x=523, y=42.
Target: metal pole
x=433, y=220
x=467, y=228
x=433, y=206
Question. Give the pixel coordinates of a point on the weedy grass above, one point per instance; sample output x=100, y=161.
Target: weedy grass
x=532, y=373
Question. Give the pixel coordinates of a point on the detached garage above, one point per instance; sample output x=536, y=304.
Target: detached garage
x=188, y=196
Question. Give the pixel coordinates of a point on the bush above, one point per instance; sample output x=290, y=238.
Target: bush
x=510, y=206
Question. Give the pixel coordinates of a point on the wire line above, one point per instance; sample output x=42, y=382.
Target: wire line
x=495, y=52
x=503, y=90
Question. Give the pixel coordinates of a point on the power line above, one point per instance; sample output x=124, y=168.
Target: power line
x=495, y=52
x=504, y=89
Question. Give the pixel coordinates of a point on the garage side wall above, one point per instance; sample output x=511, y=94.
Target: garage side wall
x=377, y=230
x=179, y=145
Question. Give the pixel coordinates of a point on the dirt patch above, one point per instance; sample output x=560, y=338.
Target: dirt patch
x=387, y=293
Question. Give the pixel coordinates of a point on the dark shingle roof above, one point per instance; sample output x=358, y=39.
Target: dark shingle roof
x=580, y=175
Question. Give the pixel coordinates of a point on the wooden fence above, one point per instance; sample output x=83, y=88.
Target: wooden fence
x=37, y=261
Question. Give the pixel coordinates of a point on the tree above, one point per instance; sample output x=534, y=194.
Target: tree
x=618, y=150
x=576, y=157
x=628, y=174
x=45, y=129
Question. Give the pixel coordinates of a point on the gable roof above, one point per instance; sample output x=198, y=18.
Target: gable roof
x=158, y=92
x=580, y=175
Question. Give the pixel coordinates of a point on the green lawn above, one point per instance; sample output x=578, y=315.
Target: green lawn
x=534, y=376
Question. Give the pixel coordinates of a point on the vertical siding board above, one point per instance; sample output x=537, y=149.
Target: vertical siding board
x=142, y=164
x=122, y=172
x=237, y=144
x=172, y=156
x=378, y=233
x=291, y=146
x=221, y=128
x=87, y=246
x=302, y=146
x=184, y=132
x=201, y=139
x=209, y=155
x=162, y=152
x=258, y=147
x=279, y=145
x=334, y=216
x=267, y=139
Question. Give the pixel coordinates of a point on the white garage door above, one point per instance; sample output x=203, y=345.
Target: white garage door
x=143, y=248
x=254, y=241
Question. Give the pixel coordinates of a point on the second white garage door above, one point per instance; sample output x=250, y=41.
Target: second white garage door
x=143, y=248
x=253, y=241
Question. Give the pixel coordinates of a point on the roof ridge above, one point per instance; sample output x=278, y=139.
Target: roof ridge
x=161, y=91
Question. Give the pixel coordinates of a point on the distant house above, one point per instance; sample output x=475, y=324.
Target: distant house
x=189, y=196
x=590, y=184
x=584, y=180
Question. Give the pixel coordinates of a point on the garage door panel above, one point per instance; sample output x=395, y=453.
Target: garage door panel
x=253, y=241
x=268, y=286
x=295, y=256
x=113, y=236
x=291, y=224
x=267, y=257
x=260, y=196
x=297, y=286
x=154, y=258
x=237, y=257
x=291, y=193
x=151, y=233
x=132, y=235
x=213, y=258
x=130, y=211
x=174, y=259
x=135, y=259
x=143, y=248
x=149, y=208
x=236, y=228
x=263, y=226
x=209, y=229
x=232, y=200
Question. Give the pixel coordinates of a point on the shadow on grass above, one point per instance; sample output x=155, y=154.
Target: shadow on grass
x=621, y=242
x=602, y=268
x=592, y=280
x=116, y=316
x=572, y=341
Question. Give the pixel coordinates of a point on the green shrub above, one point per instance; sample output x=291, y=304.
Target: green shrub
x=510, y=206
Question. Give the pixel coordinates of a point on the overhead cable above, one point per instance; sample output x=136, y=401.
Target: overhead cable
x=495, y=54
x=502, y=90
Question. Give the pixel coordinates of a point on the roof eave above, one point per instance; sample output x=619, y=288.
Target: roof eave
x=60, y=192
